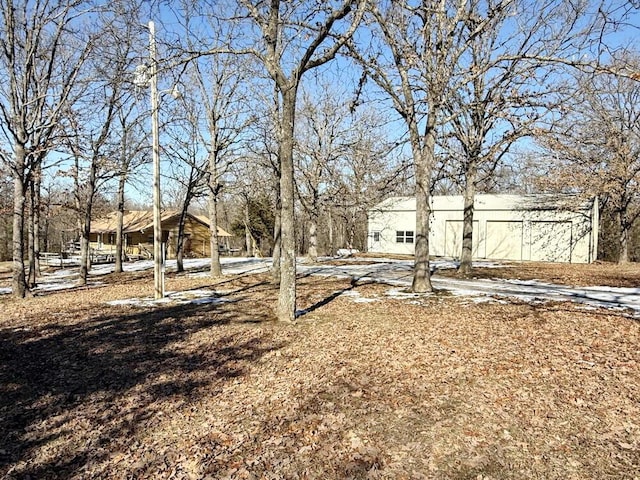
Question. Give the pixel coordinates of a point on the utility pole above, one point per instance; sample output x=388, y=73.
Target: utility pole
x=158, y=260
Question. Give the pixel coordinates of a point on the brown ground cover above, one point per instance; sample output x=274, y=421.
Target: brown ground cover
x=364, y=385
x=599, y=273
x=577, y=274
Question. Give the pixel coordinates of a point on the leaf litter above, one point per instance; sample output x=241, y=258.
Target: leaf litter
x=401, y=387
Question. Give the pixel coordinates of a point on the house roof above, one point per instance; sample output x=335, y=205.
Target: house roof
x=205, y=220
x=139, y=220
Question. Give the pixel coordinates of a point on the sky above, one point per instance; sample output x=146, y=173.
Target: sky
x=340, y=72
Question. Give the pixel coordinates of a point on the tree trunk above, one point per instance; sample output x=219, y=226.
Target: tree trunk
x=286, y=310
x=467, y=222
x=36, y=220
x=331, y=241
x=215, y=268
x=421, y=275
x=85, y=254
x=351, y=228
x=275, y=269
x=119, y=223
x=180, y=239
x=625, y=227
x=31, y=277
x=423, y=166
x=19, y=284
x=313, y=237
x=247, y=232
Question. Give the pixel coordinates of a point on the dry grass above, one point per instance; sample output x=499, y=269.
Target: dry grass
x=600, y=273
x=427, y=387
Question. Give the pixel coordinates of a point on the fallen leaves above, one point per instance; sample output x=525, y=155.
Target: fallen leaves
x=388, y=389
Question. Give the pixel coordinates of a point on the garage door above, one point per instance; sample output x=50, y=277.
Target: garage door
x=504, y=240
x=551, y=241
x=453, y=238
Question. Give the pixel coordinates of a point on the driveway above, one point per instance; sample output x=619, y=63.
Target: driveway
x=398, y=273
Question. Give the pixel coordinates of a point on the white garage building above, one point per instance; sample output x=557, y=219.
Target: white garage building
x=553, y=228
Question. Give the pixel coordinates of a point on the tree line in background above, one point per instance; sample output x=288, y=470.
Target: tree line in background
x=289, y=120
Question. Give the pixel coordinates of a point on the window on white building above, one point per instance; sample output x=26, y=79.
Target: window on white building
x=404, y=236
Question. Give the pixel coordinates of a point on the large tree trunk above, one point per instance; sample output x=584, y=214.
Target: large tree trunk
x=467, y=222
x=286, y=310
x=85, y=254
x=19, y=284
x=423, y=166
x=421, y=275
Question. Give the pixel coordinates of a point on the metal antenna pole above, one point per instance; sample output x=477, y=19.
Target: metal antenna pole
x=157, y=218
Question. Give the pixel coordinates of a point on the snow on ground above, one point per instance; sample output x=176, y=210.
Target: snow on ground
x=397, y=273
x=400, y=274
x=193, y=297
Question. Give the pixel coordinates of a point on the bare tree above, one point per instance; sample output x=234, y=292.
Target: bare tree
x=221, y=82
x=93, y=138
x=594, y=147
x=129, y=157
x=188, y=163
x=264, y=152
x=413, y=57
x=495, y=103
x=250, y=181
x=42, y=51
x=5, y=212
x=322, y=138
x=507, y=78
x=372, y=167
x=295, y=37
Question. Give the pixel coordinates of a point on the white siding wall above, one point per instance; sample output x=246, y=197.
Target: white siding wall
x=506, y=227
x=383, y=225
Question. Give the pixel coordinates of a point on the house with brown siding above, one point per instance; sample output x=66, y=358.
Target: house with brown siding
x=138, y=233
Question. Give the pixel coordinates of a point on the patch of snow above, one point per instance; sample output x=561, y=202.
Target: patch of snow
x=188, y=297
x=398, y=273
x=54, y=286
x=356, y=297
x=348, y=293
x=365, y=300
x=346, y=252
x=403, y=294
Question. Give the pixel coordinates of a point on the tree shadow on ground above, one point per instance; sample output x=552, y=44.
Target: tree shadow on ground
x=354, y=282
x=105, y=377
